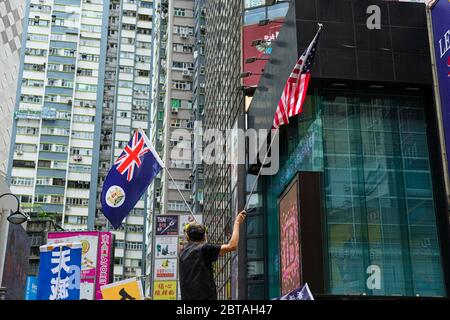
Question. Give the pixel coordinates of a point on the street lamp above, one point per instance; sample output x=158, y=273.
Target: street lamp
x=17, y=217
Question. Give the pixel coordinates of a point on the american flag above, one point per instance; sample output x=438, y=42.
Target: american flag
x=294, y=93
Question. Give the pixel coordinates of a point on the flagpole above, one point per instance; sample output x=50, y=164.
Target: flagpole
x=260, y=170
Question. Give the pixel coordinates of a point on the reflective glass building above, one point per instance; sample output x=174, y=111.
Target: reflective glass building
x=360, y=173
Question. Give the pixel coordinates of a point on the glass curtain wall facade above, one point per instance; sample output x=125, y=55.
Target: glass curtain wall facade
x=377, y=194
x=223, y=103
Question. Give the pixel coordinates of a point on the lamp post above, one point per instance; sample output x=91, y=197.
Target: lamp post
x=17, y=217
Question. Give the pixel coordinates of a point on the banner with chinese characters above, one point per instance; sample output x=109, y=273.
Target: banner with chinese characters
x=59, y=272
x=165, y=290
x=130, y=289
x=96, y=258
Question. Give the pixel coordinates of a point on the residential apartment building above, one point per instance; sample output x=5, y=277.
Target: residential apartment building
x=126, y=108
x=85, y=87
x=172, y=122
x=11, y=19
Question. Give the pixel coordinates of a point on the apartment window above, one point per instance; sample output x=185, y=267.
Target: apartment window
x=126, y=69
x=179, y=12
x=77, y=168
x=91, y=28
x=24, y=198
x=78, y=220
x=44, y=181
x=119, y=244
x=21, y=148
x=85, y=185
x=80, y=152
x=34, y=67
x=145, y=4
x=85, y=72
x=86, y=87
x=137, y=246
x=144, y=31
x=183, y=30
x=57, y=199
x=77, y=202
x=83, y=135
x=37, y=37
x=41, y=198
x=126, y=40
x=30, y=99
x=126, y=84
x=86, y=119
x=127, y=55
x=181, y=85
x=21, y=181
x=27, y=131
x=55, y=131
x=37, y=22
x=35, y=52
x=142, y=73
x=175, y=123
x=177, y=206
x=44, y=164
x=180, y=184
x=89, y=57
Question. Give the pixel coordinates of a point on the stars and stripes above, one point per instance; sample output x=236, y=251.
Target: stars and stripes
x=294, y=93
x=131, y=156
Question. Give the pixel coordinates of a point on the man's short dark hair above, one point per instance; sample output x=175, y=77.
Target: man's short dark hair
x=196, y=232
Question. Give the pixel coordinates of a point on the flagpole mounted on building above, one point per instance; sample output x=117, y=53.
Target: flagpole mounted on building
x=292, y=99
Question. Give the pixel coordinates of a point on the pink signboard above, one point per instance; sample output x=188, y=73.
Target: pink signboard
x=95, y=259
x=104, y=262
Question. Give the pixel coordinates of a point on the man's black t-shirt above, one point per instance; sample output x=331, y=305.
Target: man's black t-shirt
x=196, y=272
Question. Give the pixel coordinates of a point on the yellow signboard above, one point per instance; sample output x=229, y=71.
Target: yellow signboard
x=130, y=289
x=165, y=290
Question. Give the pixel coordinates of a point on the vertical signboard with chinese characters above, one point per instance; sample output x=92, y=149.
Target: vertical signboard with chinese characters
x=103, y=262
x=440, y=16
x=165, y=290
x=59, y=272
x=167, y=230
x=290, y=267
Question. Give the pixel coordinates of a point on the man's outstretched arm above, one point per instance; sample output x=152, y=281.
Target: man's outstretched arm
x=233, y=243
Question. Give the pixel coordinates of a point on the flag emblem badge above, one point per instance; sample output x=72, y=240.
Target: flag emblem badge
x=115, y=197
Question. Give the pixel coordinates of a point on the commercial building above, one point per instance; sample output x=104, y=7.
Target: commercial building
x=360, y=174
x=84, y=80
x=11, y=19
x=224, y=106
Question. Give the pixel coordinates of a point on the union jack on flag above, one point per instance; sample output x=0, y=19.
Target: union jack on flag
x=294, y=93
x=129, y=178
x=131, y=156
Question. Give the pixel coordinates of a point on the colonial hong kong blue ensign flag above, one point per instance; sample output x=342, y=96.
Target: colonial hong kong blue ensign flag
x=129, y=178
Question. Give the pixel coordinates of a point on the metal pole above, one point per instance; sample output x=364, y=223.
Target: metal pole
x=260, y=170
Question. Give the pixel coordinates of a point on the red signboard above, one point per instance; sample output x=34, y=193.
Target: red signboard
x=251, y=33
x=290, y=270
